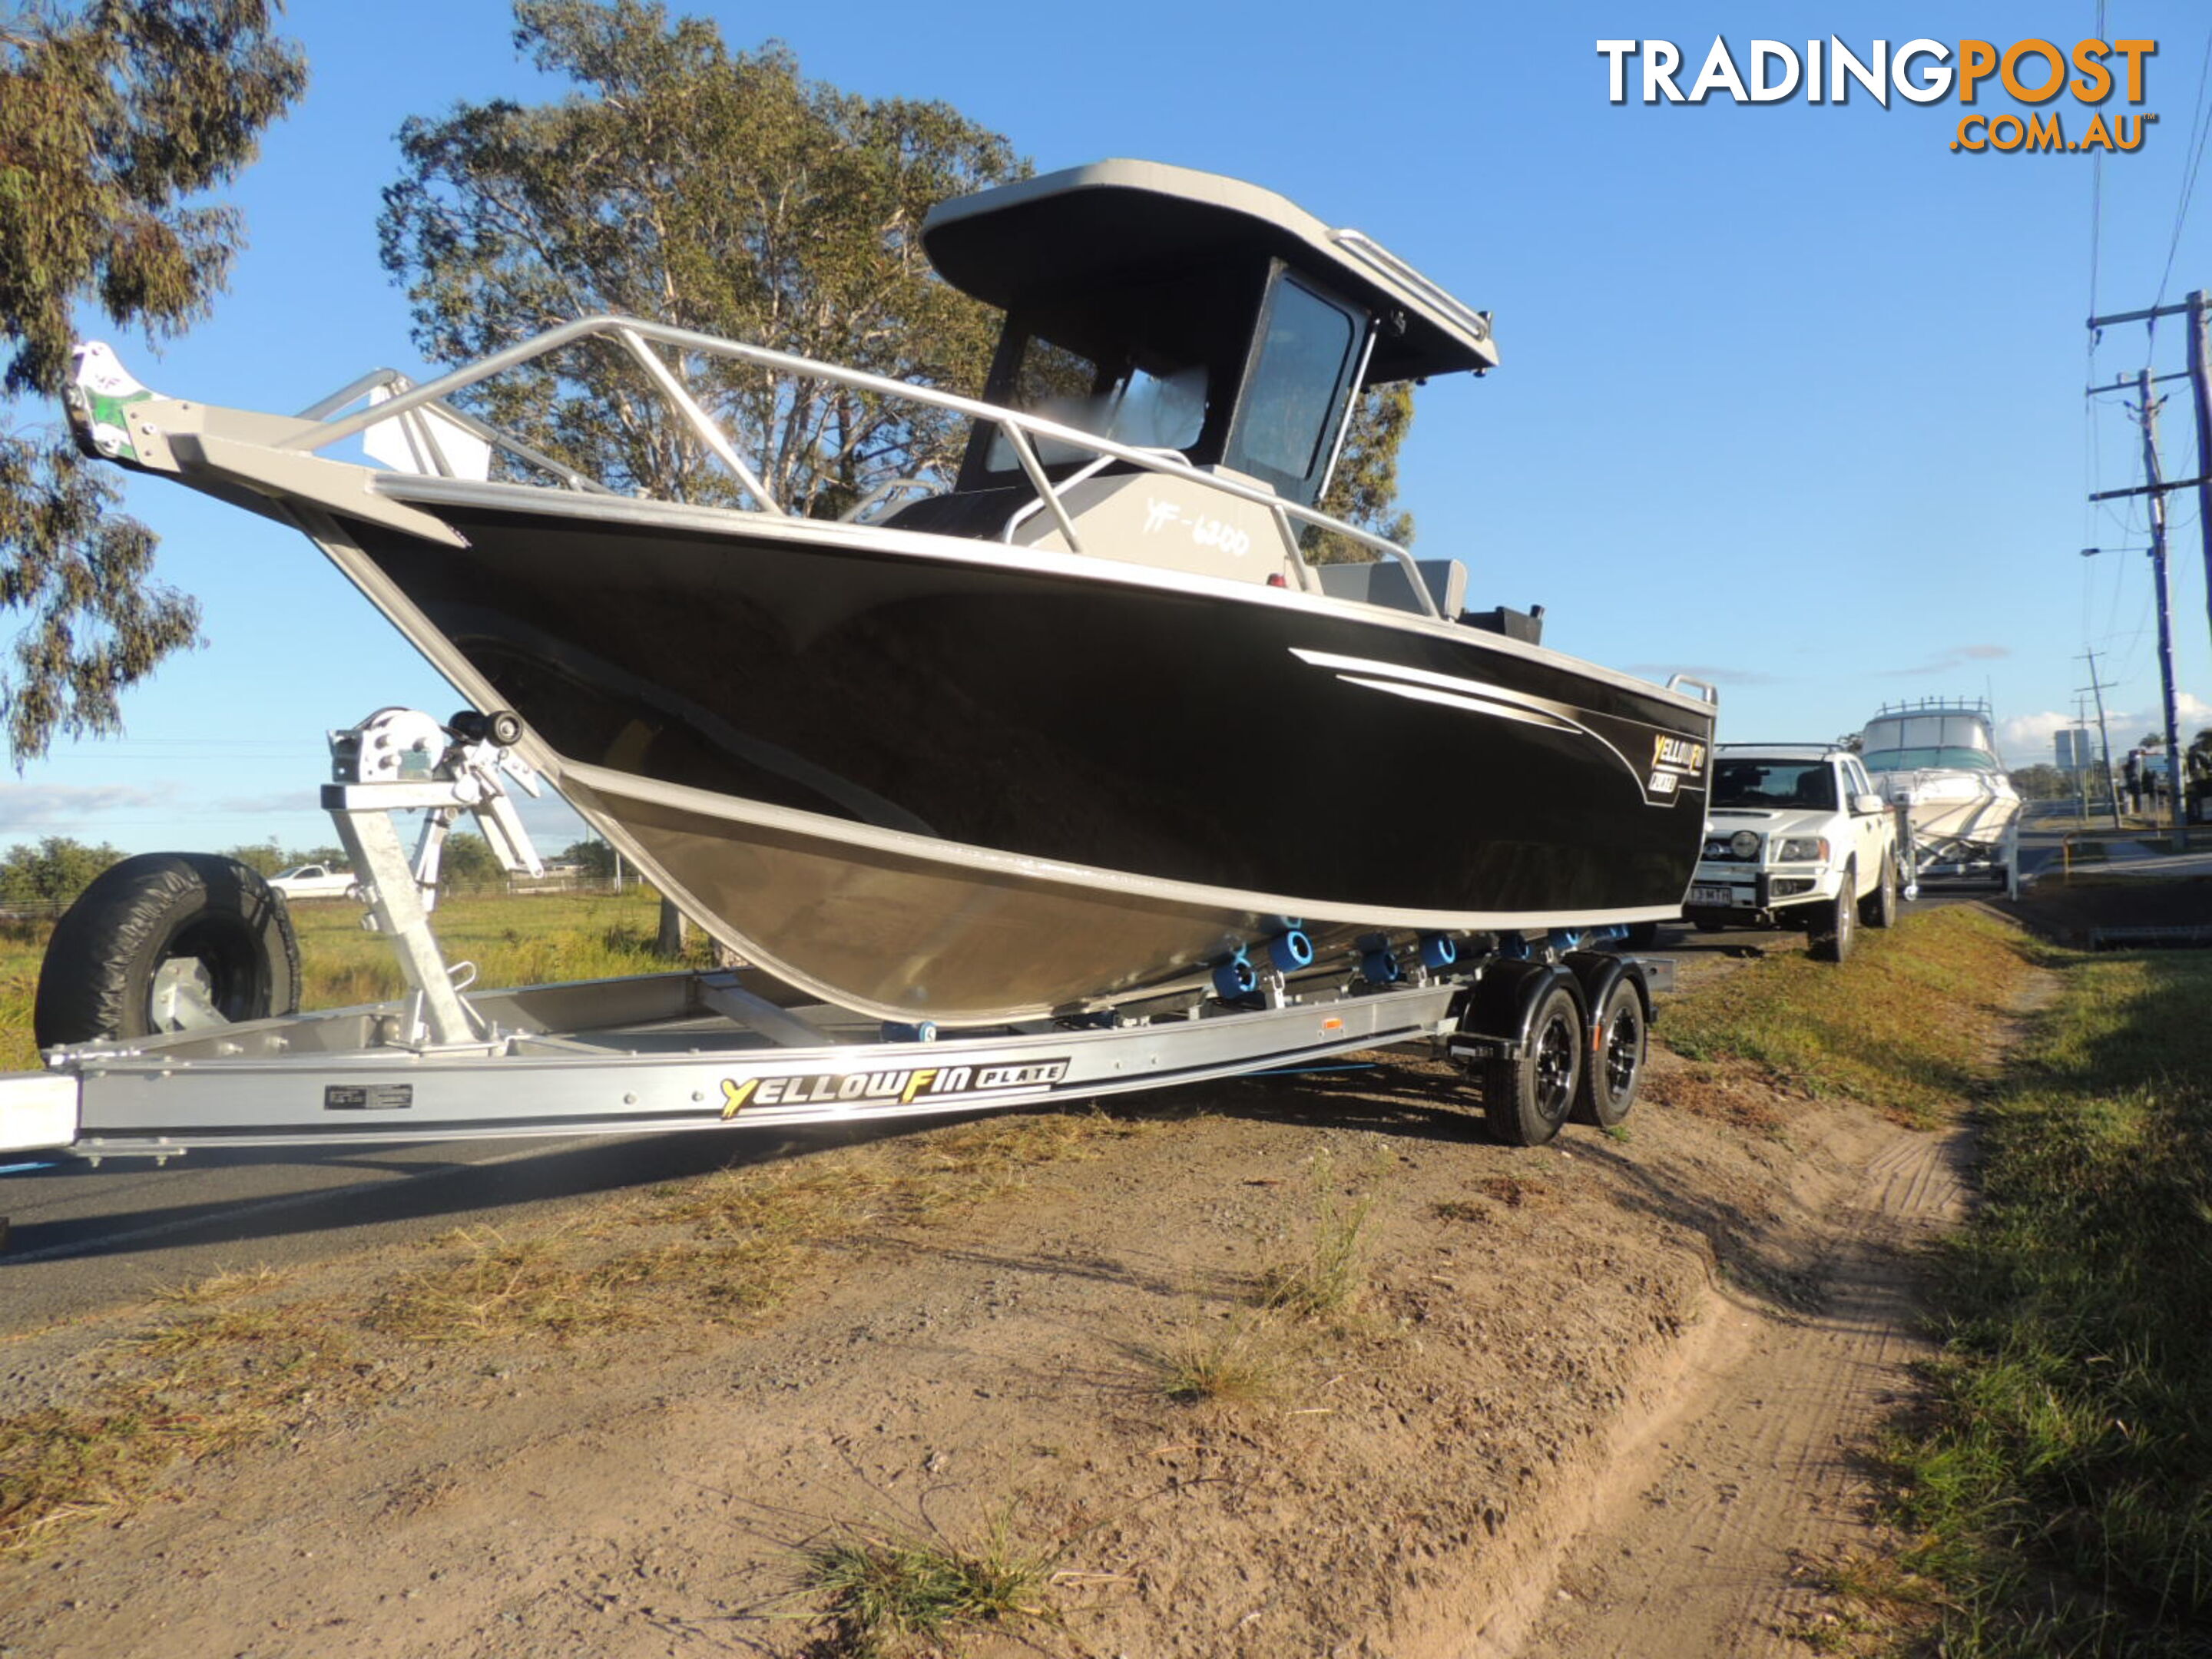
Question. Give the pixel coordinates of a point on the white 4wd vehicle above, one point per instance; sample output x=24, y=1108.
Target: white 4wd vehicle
x=1796, y=836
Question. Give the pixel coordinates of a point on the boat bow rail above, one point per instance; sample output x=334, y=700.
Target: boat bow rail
x=224, y=450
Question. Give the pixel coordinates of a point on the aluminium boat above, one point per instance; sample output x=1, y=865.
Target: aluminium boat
x=1937, y=759
x=1084, y=725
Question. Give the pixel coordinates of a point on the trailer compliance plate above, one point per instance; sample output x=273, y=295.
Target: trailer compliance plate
x=368, y=1098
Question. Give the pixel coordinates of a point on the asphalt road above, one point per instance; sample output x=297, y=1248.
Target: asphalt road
x=83, y=1237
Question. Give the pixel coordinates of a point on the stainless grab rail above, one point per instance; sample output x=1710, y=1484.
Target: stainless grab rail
x=1020, y=428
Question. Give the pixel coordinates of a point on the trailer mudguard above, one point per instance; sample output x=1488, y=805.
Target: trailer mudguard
x=1595, y=971
x=1494, y=1015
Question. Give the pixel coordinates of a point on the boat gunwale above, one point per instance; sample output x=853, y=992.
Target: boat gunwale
x=644, y=511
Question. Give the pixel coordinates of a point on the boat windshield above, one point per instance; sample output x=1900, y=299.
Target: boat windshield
x=1142, y=363
x=1947, y=758
x=1810, y=784
x=1157, y=404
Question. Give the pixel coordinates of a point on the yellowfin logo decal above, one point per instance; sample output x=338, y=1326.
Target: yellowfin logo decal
x=905, y=1086
x=1673, y=759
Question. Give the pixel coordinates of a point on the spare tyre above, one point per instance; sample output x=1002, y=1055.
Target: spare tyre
x=167, y=942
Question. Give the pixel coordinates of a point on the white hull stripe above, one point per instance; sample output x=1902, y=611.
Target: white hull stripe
x=1474, y=696
x=1460, y=700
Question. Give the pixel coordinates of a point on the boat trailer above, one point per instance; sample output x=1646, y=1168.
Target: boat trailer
x=1548, y=1027
x=1956, y=856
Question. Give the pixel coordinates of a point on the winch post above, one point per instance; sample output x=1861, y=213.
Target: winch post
x=372, y=841
x=401, y=760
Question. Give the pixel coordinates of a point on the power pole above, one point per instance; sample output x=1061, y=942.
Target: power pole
x=2200, y=384
x=2078, y=737
x=2104, y=738
x=2151, y=477
x=2200, y=378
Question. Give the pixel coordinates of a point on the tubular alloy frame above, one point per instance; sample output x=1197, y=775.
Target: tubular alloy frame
x=636, y=337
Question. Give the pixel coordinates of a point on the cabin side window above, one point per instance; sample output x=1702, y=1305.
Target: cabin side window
x=1287, y=427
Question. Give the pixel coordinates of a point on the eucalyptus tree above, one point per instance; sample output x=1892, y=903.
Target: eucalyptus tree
x=115, y=116
x=710, y=189
x=1363, y=489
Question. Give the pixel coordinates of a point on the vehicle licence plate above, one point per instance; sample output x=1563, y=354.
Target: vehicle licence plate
x=1712, y=895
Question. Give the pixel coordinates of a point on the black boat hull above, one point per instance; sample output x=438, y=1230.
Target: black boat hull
x=942, y=779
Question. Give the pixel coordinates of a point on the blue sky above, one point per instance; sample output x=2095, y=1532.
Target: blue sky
x=1791, y=395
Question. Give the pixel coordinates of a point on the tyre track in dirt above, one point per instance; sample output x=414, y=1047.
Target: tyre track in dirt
x=1745, y=1477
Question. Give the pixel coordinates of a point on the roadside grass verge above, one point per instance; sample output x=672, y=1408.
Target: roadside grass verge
x=174, y=1391
x=22, y=947
x=248, y=1355
x=537, y=939
x=2057, y=1499
x=1909, y=1025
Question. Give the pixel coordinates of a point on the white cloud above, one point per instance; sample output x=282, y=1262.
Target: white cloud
x=2026, y=739
x=44, y=806
x=1952, y=661
x=2191, y=713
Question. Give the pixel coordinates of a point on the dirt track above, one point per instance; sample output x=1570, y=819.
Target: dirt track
x=1596, y=1399
x=1745, y=1478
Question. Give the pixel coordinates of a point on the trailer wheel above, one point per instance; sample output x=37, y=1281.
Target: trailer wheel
x=1525, y=1101
x=1879, y=907
x=1613, y=1068
x=167, y=942
x=1835, y=924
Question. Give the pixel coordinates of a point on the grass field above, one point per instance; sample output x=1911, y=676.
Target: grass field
x=2053, y=1496
x=1910, y=1024
x=2058, y=1500
x=526, y=940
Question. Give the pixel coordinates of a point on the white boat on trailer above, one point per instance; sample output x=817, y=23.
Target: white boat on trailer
x=1936, y=759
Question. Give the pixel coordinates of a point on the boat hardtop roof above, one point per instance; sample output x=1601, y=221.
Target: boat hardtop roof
x=1933, y=732
x=1090, y=226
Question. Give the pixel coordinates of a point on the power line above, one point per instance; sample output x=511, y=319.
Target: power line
x=2200, y=129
